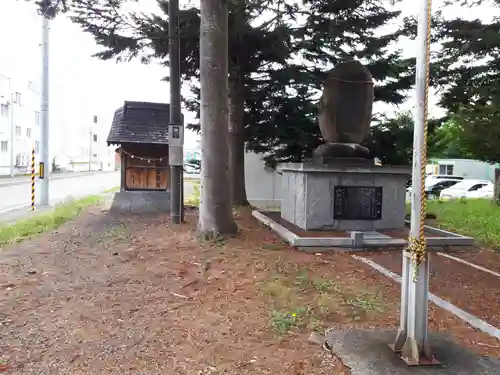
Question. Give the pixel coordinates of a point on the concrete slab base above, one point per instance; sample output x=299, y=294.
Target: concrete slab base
x=358, y=240
x=140, y=202
x=367, y=352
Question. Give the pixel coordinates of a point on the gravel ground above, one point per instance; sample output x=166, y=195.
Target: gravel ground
x=138, y=295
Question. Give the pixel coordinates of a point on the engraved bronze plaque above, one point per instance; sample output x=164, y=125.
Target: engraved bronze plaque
x=357, y=203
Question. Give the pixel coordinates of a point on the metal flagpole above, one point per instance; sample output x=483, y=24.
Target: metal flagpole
x=412, y=341
x=44, y=111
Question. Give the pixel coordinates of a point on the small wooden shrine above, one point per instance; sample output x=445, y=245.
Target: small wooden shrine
x=140, y=130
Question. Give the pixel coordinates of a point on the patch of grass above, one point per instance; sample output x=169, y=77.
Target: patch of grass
x=478, y=218
x=284, y=321
x=323, y=285
x=61, y=214
x=272, y=246
x=299, y=301
x=112, y=190
x=114, y=234
x=194, y=200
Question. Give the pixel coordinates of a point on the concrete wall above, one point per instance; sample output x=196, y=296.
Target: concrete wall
x=263, y=185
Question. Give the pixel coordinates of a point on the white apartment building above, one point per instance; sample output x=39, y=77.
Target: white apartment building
x=19, y=124
x=82, y=141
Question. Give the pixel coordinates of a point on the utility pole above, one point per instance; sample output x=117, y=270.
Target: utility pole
x=412, y=341
x=176, y=127
x=12, y=103
x=44, y=113
x=91, y=142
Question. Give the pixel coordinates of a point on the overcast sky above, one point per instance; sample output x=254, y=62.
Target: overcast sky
x=85, y=85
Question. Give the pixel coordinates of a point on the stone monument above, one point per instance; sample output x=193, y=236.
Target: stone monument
x=341, y=188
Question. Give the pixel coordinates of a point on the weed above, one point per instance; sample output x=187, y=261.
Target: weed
x=284, y=321
x=293, y=288
x=212, y=238
x=366, y=302
x=114, y=234
x=271, y=246
x=323, y=285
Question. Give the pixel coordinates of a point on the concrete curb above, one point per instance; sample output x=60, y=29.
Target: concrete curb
x=357, y=241
x=464, y=315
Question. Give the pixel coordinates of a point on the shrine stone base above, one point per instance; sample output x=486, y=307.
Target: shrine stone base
x=140, y=202
x=344, y=196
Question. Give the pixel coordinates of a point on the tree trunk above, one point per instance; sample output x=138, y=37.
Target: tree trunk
x=216, y=216
x=236, y=140
x=496, y=191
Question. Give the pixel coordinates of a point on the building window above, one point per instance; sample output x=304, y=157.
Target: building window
x=446, y=169
x=94, y=156
x=31, y=86
x=28, y=132
x=95, y=137
x=18, y=130
x=17, y=98
x=37, y=118
x=4, y=108
x=37, y=147
x=4, y=146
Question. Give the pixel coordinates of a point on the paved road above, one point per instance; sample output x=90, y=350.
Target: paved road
x=4, y=181
x=19, y=195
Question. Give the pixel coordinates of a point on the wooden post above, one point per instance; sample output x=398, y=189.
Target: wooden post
x=123, y=170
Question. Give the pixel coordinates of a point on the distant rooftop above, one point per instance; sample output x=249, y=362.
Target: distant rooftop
x=140, y=122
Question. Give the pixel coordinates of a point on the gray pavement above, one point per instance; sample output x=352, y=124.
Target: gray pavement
x=367, y=352
x=18, y=196
x=15, y=199
x=7, y=180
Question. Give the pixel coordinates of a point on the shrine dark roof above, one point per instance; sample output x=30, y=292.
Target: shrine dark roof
x=140, y=122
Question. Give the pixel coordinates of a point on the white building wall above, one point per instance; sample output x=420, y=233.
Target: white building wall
x=82, y=145
x=263, y=185
x=468, y=168
x=19, y=115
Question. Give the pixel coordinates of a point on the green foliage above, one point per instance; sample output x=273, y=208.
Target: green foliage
x=469, y=79
x=280, y=94
x=391, y=140
x=478, y=133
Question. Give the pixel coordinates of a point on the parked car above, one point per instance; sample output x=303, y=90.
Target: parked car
x=485, y=192
x=463, y=188
x=433, y=190
x=434, y=186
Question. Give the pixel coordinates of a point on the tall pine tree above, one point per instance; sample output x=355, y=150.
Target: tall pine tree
x=277, y=63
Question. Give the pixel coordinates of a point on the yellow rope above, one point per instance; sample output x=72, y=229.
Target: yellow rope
x=418, y=247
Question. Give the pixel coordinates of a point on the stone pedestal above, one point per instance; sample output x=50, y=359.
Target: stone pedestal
x=343, y=196
x=140, y=202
